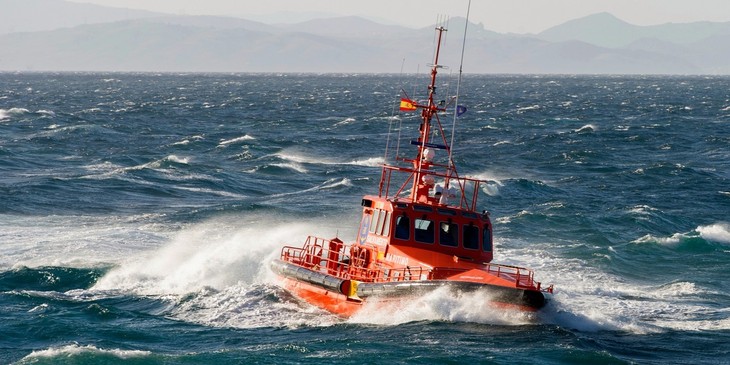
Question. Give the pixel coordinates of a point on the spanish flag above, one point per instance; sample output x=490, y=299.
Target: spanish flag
x=407, y=105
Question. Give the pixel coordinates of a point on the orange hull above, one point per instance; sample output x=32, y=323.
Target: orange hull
x=345, y=297
x=328, y=300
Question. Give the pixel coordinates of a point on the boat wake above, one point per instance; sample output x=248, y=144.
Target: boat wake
x=442, y=304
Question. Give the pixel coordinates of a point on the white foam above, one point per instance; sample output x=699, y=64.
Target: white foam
x=76, y=241
x=441, y=304
x=213, y=192
x=217, y=273
x=107, y=169
x=292, y=166
x=672, y=240
x=7, y=113
x=493, y=182
x=586, y=128
x=214, y=254
x=75, y=349
x=18, y=111
x=369, y=162
x=642, y=210
x=345, y=121
x=243, y=138
x=329, y=184
x=176, y=159
x=249, y=306
x=527, y=108
x=719, y=232
x=297, y=159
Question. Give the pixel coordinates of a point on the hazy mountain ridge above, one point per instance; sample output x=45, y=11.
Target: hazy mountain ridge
x=606, y=30
x=41, y=15
x=597, y=44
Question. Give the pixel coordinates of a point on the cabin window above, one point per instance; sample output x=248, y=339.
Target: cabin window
x=381, y=222
x=449, y=234
x=424, y=231
x=402, y=227
x=374, y=221
x=487, y=239
x=386, y=225
x=471, y=237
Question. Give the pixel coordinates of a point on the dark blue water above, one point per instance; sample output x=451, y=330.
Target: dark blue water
x=138, y=211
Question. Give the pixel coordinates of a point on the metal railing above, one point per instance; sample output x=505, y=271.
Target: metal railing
x=315, y=255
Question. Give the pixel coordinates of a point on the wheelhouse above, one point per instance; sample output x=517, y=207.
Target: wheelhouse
x=448, y=233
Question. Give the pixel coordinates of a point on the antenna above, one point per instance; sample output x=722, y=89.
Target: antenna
x=392, y=115
x=458, y=85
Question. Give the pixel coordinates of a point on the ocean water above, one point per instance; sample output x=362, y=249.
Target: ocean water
x=138, y=213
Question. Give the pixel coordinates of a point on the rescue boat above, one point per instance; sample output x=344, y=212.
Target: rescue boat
x=422, y=231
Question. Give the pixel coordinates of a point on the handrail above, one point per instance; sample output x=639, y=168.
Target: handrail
x=315, y=255
x=461, y=184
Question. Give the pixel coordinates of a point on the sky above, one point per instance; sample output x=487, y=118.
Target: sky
x=504, y=16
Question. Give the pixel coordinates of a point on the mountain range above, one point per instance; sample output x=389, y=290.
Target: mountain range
x=57, y=35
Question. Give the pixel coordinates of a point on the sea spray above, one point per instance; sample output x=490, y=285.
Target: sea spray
x=214, y=254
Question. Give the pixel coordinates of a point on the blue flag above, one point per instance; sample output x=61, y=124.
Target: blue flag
x=460, y=109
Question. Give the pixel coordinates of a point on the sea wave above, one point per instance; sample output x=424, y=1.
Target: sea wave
x=718, y=232
x=586, y=129
x=299, y=159
x=214, y=254
x=75, y=350
x=368, y=162
x=243, y=138
x=7, y=113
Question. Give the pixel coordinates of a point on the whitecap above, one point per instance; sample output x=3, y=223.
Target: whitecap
x=296, y=158
x=292, y=166
x=682, y=288
x=213, y=192
x=672, y=240
x=243, y=138
x=7, y=113
x=719, y=232
x=333, y=183
x=75, y=349
x=527, y=108
x=643, y=210
x=18, y=111
x=586, y=128
x=369, y=162
x=169, y=158
x=345, y=122
x=215, y=254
